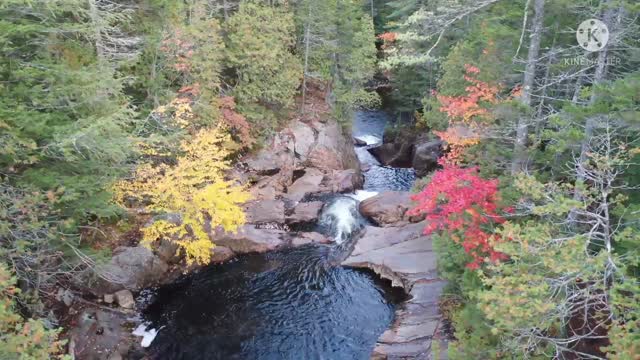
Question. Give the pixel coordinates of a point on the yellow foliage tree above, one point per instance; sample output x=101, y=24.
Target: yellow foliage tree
x=194, y=188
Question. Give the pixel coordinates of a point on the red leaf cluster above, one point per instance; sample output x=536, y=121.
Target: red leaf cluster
x=179, y=49
x=462, y=204
x=235, y=121
x=468, y=107
x=388, y=36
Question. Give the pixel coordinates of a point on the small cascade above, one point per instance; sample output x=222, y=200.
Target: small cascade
x=341, y=219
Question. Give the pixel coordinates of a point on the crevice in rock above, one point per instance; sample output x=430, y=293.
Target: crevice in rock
x=297, y=174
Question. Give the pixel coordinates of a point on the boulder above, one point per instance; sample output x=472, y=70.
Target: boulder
x=265, y=211
x=248, y=239
x=305, y=212
x=131, y=268
x=124, y=298
x=388, y=207
x=425, y=156
x=264, y=163
x=109, y=298
x=394, y=154
x=359, y=142
x=342, y=181
x=309, y=183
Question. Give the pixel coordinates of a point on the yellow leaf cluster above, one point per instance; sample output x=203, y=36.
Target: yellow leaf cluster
x=194, y=188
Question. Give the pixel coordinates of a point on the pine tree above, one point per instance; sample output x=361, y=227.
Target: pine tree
x=267, y=74
x=62, y=103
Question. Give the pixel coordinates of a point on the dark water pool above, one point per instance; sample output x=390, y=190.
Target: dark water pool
x=290, y=304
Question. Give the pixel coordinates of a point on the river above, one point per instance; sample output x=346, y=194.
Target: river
x=287, y=304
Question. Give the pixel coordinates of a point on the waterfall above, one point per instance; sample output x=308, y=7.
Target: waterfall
x=341, y=219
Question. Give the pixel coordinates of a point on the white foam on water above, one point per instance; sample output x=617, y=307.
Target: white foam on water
x=370, y=139
x=362, y=195
x=147, y=333
x=341, y=214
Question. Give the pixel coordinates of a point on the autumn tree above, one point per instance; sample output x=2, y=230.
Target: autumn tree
x=195, y=189
x=464, y=206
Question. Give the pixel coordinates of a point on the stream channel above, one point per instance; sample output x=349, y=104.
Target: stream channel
x=286, y=304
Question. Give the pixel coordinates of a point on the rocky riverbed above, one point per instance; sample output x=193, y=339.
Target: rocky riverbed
x=288, y=179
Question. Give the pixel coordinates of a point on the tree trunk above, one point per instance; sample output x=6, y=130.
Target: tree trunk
x=519, y=160
x=225, y=10
x=306, y=62
x=590, y=125
x=97, y=29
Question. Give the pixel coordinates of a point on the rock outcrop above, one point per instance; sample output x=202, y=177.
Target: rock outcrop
x=402, y=147
x=404, y=256
x=394, y=154
x=131, y=268
x=332, y=149
x=389, y=207
x=321, y=155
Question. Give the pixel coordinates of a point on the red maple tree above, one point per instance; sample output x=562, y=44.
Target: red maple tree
x=465, y=206
x=467, y=114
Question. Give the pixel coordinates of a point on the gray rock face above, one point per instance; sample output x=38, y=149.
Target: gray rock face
x=404, y=256
x=304, y=136
x=167, y=250
x=131, y=268
x=332, y=150
x=248, y=239
x=265, y=211
x=342, y=181
x=387, y=208
x=309, y=183
x=305, y=212
x=425, y=156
